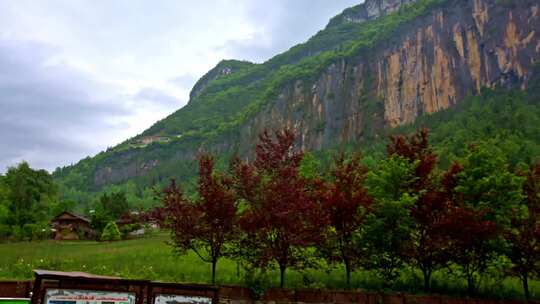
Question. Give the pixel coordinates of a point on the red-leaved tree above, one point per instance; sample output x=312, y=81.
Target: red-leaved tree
x=471, y=242
x=427, y=249
x=346, y=203
x=207, y=224
x=469, y=236
x=523, y=235
x=281, y=219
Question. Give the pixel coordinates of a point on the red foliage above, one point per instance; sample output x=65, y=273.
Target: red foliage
x=450, y=179
x=428, y=249
x=469, y=232
x=282, y=219
x=217, y=202
x=470, y=235
x=415, y=148
x=346, y=203
x=531, y=188
x=206, y=224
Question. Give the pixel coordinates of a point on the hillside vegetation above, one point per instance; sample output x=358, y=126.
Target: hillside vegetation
x=509, y=120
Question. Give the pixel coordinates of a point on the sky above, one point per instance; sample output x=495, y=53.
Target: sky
x=78, y=76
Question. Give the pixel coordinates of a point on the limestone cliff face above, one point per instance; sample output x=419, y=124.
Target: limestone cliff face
x=462, y=50
x=433, y=64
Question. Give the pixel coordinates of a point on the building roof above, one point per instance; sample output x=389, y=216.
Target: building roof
x=73, y=215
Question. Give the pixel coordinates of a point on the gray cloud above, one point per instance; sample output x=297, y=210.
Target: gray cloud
x=158, y=97
x=282, y=24
x=50, y=115
x=184, y=81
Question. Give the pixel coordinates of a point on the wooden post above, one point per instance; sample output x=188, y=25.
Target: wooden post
x=36, y=290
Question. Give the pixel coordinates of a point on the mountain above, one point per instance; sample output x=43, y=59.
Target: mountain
x=377, y=66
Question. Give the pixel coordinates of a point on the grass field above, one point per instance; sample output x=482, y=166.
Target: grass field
x=13, y=301
x=151, y=258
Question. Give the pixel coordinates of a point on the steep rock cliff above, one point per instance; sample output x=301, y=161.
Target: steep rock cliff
x=429, y=66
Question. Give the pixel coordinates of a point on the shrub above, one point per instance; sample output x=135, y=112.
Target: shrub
x=41, y=232
x=28, y=231
x=127, y=229
x=149, y=230
x=111, y=232
x=5, y=232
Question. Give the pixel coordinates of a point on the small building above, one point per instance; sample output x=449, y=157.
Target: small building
x=129, y=218
x=69, y=226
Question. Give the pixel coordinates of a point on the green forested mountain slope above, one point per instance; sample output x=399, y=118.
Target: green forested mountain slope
x=341, y=87
x=508, y=119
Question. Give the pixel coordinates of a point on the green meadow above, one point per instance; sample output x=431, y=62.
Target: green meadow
x=151, y=258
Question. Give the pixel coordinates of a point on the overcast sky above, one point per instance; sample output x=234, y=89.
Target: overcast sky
x=78, y=76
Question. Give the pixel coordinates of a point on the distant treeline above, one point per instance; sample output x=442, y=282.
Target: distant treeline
x=30, y=198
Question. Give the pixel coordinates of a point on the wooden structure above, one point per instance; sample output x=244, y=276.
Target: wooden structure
x=128, y=218
x=55, y=287
x=80, y=281
x=69, y=226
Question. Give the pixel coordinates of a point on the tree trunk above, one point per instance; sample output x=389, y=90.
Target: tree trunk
x=214, y=262
x=282, y=269
x=525, y=281
x=470, y=285
x=348, y=273
x=427, y=280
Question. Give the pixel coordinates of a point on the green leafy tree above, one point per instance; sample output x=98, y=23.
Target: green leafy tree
x=111, y=233
x=4, y=210
x=387, y=230
x=99, y=218
x=114, y=204
x=33, y=232
x=309, y=166
x=31, y=193
x=426, y=250
x=61, y=206
x=523, y=234
x=109, y=208
x=484, y=195
x=486, y=183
